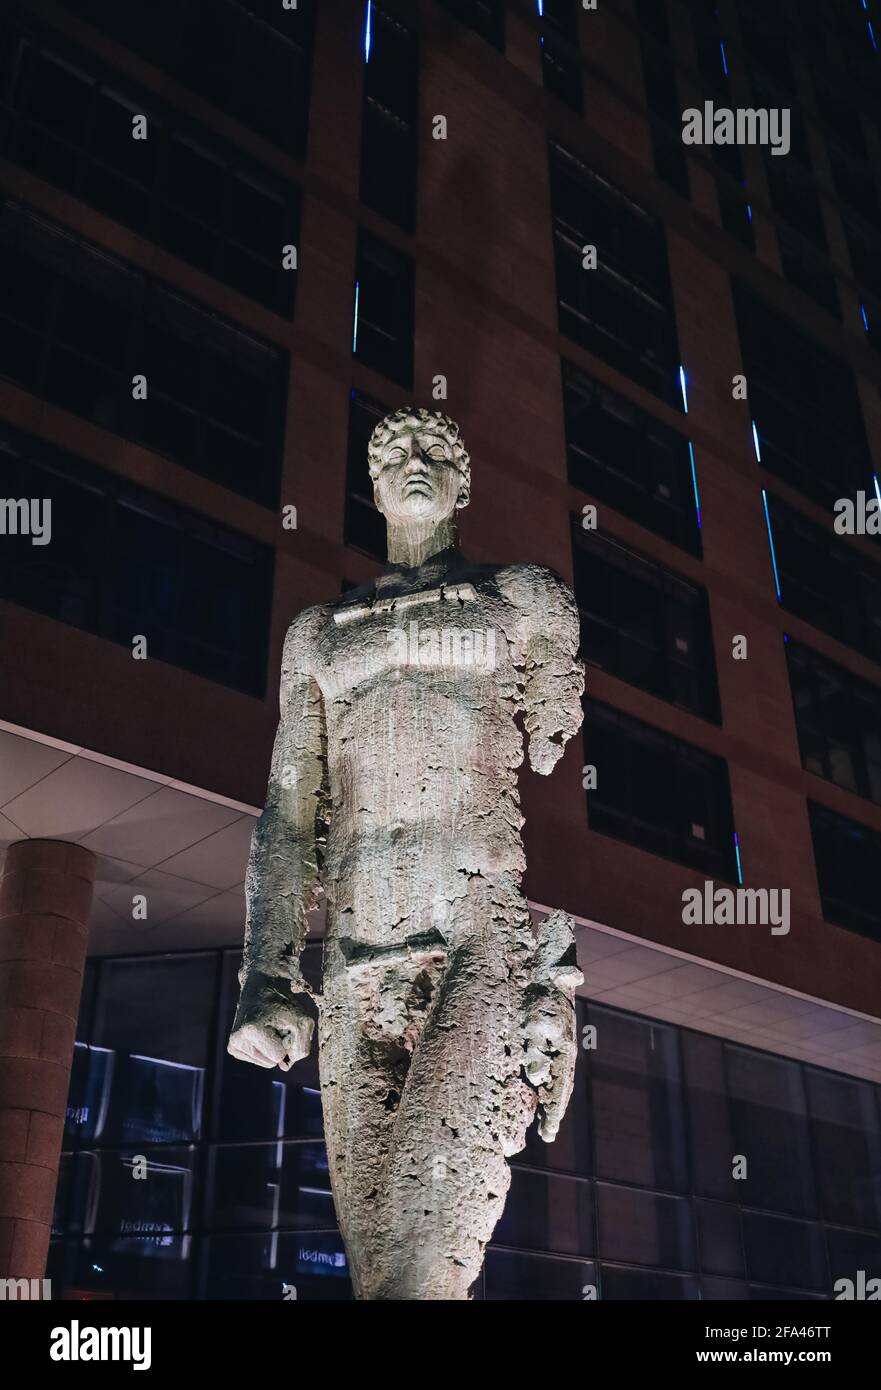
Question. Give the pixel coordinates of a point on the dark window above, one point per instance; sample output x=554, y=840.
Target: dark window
x=847, y=1144
x=767, y=40
x=854, y=183
x=665, y=110
x=811, y=273
x=485, y=17
x=78, y=324
x=735, y=211
x=251, y=61
x=712, y=52
x=70, y=121
x=124, y=561
x=804, y=402
x=644, y=624
x=388, y=133
x=561, y=74
x=562, y=15
x=365, y=526
x=838, y=717
x=637, y=1103
x=383, y=337
x=623, y=309
x=866, y=262
x=734, y=205
x=826, y=581
x=769, y=1121
x=625, y=457
x=658, y=792
x=847, y=856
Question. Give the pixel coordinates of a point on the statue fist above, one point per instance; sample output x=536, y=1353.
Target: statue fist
x=273, y=1025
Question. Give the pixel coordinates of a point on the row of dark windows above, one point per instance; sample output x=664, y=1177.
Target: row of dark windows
x=78, y=324
x=253, y=60
x=622, y=310
x=635, y=1196
x=124, y=562
x=838, y=717
x=67, y=118
x=804, y=402
x=673, y=799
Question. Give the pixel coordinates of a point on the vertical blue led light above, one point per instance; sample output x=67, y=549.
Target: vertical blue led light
x=368, y=31
x=355, y=324
x=737, y=857
x=749, y=212
x=724, y=59
x=683, y=387
x=872, y=34
x=541, y=8
x=877, y=487
x=771, y=543
x=756, y=444
x=697, y=500
x=865, y=317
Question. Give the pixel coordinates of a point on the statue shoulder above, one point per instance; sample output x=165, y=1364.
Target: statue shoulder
x=536, y=591
x=301, y=640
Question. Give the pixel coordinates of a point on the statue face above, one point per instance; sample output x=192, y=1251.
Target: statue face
x=418, y=480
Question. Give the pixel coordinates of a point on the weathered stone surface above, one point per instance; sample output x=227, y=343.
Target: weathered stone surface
x=445, y=1026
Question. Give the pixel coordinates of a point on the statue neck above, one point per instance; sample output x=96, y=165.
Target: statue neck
x=412, y=543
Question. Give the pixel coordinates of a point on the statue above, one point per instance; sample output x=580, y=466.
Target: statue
x=445, y=1024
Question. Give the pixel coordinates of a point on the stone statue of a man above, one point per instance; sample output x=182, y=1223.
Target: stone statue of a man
x=445, y=1023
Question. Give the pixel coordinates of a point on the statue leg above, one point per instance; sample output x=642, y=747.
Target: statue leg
x=372, y=1013
x=465, y=1106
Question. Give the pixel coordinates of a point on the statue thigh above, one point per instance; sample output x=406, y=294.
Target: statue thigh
x=424, y=1098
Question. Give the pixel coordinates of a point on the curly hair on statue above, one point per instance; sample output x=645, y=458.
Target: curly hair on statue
x=415, y=418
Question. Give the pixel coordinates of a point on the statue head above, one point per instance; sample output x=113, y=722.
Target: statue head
x=419, y=466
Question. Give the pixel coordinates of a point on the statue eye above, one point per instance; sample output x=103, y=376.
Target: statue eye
x=437, y=451
x=394, y=454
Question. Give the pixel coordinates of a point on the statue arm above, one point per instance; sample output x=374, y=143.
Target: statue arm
x=274, y=1020
x=546, y=652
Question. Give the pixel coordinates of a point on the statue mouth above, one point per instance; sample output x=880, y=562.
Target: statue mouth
x=418, y=485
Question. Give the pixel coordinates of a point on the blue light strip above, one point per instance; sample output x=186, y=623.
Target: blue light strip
x=355, y=324
x=697, y=500
x=368, y=31
x=683, y=387
x=771, y=543
x=865, y=317
x=541, y=8
x=756, y=445
x=737, y=856
x=872, y=34
x=724, y=59
x=749, y=212
x=877, y=487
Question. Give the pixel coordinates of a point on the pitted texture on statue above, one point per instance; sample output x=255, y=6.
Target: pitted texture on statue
x=445, y=1024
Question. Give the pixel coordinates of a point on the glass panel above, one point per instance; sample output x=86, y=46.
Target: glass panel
x=155, y=1017
x=269, y=1186
x=847, y=1147
x=638, y=1114
x=645, y=1227
x=510, y=1275
x=771, y=1130
x=784, y=1252
x=547, y=1212
x=260, y=1266
x=640, y=1284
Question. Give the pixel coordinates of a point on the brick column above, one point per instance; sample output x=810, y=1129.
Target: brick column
x=45, y=898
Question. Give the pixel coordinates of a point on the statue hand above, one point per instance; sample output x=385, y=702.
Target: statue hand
x=273, y=1025
x=551, y=1054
